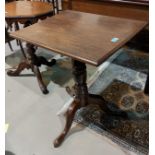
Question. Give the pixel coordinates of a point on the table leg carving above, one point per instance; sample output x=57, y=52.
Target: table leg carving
x=25, y=64
x=33, y=62
x=22, y=49
x=80, y=87
x=81, y=99
x=79, y=73
x=21, y=66
x=40, y=80
x=19, y=42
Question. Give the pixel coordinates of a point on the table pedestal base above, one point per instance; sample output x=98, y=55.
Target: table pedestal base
x=33, y=62
x=81, y=99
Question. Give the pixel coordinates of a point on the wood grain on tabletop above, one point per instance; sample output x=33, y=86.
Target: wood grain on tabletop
x=83, y=36
x=26, y=8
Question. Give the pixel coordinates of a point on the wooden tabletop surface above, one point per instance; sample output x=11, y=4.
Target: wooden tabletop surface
x=85, y=37
x=21, y=9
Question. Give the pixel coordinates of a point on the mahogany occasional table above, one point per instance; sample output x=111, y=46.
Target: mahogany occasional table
x=86, y=38
x=28, y=13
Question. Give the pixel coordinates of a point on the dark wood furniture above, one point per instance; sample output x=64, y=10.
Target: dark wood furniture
x=28, y=13
x=8, y=39
x=86, y=38
x=23, y=11
x=133, y=9
x=54, y=3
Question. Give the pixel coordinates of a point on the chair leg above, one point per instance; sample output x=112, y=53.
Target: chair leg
x=10, y=45
x=16, y=28
x=7, y=39
x=57, y=6
x=19, y=42
x=40, y=80
x=22, y=49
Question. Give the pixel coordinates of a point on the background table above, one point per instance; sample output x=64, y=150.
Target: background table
x=86, y=38
x=28, y=13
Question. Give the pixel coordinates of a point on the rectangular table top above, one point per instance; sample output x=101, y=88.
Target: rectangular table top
x=86, y=37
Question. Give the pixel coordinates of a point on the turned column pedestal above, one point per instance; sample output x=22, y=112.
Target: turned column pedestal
x=81, y=99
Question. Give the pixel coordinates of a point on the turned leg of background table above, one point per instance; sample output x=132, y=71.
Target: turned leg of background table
x=33, y=62
x=18, y=41
x=25, y=64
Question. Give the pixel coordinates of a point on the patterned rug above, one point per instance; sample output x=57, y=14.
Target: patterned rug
x=122, y=84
